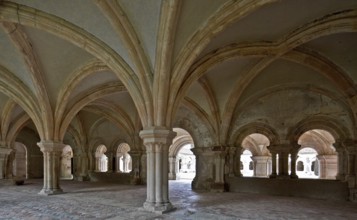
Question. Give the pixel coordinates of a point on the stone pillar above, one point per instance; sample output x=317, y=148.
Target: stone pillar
x=283, y=151
x=4, y=154
x=51, y=170
x=172, y=168
x=110, y=162
x=231, y=158
x=260, y=166
x=204, y=168
x=273, y=164
x=219, y=153
x=236, y=162
x=136, y=167
x=82, y=166
x=294, y=155
x=351, y=175
x=342, y=162
x=327, y=166
x=157, y=141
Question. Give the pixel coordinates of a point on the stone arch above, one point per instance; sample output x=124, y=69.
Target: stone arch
x=304, y=163
x=101, y=159
x=123, y=158
x=19, y=164
x=67, y=163
x=260, y=158
x=338, y=131
x=317, y=145
x=255, y=127
x=182, y=140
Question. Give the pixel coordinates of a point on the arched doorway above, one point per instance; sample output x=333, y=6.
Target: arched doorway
x=101, y=164
x=19, y=164
x=318, y=154
x=123, y=158
x=66, y=163
x=186, y=163
x=255, y=159
x=182, y=161
x=307, y=164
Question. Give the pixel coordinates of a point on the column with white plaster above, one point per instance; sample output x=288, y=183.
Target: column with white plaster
x=157, y=141
x=51, y=169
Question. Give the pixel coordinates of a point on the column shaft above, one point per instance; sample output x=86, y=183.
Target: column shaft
x=51, y=156
x=157, y=141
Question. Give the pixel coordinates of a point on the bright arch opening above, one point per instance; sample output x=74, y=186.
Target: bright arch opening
x=255, y=159
x=317, y=154
x=182, y=161
x=101, y=159
x=123, y=158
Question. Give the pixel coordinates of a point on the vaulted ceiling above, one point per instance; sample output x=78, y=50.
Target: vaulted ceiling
x=135, y=62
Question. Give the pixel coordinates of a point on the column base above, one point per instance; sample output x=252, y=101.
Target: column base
x=294, y=176
x=353, y=195
x=49, y=192
x=283, y=176
x=158, y=208
x=217, y=187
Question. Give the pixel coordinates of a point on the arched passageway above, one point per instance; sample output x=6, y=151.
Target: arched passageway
x=318, y=155
x=101, y=162
x=255, y=159
x=123, y=158
x=182, y=161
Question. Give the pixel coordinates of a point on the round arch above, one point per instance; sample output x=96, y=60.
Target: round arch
x=123, y=158
x=67, y=163
x=101, y=159
x=19, y=164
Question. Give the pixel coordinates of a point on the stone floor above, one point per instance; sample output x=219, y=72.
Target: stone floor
x=89, y=200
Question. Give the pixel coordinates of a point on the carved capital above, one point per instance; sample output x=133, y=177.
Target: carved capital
x=50, y=146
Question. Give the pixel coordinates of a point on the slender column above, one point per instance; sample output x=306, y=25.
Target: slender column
x=4, y=154
x=172, y=166
x=232, y=154
x=273, y=164
x=110, y=163
x=157, y=141
x=136, y=167
x=51, y=158
x=293, y=163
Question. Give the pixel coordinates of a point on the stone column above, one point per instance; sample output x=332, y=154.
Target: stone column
x=51, y=169
x=82, y=166
x=342, y=162
x=4, y=154
x=351, y=175
x=231, y=155
x=294, y=156
x=172, y=168
x=236, y=162
x=283, y=151
x=273, y=164
x=219, y=153
x=157, y=141
x=110, y=162
x=327, y=166
x=260, y=166
x=136, y=167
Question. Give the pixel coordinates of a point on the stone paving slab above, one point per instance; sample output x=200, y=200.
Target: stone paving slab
x=89, y=200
